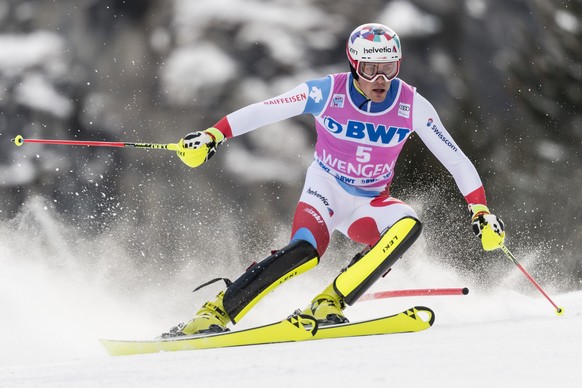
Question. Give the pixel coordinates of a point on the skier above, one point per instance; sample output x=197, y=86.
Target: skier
x=362, y=118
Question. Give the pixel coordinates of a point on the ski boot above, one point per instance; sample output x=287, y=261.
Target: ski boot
x=210, y=319
x=327, y=308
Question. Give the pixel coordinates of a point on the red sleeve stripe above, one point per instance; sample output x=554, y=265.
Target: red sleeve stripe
x=224, y=126
x=477, y=196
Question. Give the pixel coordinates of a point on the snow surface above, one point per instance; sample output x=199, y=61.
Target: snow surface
x=60, y=292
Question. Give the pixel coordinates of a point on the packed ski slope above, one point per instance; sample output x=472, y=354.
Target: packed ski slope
x=503, y=344
x=55, y=306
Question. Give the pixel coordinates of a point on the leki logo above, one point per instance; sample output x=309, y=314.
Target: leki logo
x=390, y=244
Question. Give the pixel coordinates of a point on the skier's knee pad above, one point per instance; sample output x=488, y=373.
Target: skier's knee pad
x=361, y=274
x=260, y=279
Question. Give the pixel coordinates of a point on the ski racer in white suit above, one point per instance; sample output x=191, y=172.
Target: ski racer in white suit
x=363, y=119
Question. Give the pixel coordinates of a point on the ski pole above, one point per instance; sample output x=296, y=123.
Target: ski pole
x=559, y=310
x=19, y=141
x=416, y=292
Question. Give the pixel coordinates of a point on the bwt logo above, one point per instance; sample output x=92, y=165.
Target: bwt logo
x=367, y=131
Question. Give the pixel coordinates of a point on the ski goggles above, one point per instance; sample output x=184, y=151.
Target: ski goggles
x=371, y=71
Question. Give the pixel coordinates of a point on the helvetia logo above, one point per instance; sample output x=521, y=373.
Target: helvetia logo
x=318, y=196
x=375, y=50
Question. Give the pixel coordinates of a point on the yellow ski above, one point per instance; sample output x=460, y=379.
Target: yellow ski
x=295, y=328
x=414, y=319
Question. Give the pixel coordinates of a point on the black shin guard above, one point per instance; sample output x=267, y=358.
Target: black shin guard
x=359, y=276
x=296, y=258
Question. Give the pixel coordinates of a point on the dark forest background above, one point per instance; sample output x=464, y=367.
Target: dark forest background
x=504, y=75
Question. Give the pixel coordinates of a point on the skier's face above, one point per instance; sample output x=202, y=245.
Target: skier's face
x=374, y=90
